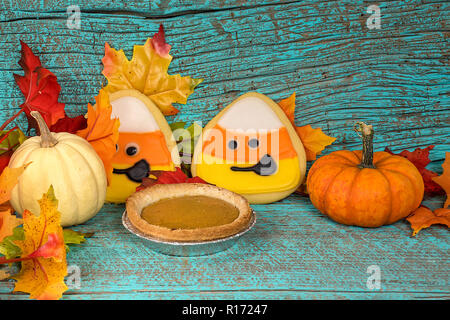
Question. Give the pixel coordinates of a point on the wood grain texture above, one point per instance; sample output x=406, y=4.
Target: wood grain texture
x=293, y=252
x=395, y=78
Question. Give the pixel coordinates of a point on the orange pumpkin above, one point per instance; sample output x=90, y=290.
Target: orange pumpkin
x=363, y=188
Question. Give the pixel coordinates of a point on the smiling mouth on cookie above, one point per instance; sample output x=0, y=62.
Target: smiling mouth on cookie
x=137, y=172
x=266, y=166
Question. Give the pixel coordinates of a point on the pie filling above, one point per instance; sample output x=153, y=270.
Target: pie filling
x=190, y=212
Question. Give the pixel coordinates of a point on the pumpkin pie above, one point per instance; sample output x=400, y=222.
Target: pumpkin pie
x=188, y=212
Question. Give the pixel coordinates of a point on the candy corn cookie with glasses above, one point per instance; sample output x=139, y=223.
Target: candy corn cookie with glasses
x=251, y=148
x=145, y=143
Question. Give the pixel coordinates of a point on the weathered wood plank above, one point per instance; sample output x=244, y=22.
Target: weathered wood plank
x=293, y=251
x=395, y=78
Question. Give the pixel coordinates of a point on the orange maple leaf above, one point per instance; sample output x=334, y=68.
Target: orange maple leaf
x=444, y=179
x=8, y=180
x=314, y=140
x=288, y=106
x=102, y=132
x=147, y=73
x=8, y=222
x=423, y=217
x=43, y=256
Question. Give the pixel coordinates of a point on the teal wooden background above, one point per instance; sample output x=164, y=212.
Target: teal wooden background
x=396, y=78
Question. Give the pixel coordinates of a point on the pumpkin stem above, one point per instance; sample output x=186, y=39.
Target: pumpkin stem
x=47, y=139
x=367, y=139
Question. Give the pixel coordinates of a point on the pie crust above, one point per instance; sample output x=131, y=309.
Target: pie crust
x=139, y=200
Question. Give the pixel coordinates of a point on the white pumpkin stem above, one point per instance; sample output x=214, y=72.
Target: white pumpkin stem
x=367, y=139
x=47, y=139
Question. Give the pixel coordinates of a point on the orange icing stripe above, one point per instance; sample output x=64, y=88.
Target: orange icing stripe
x=152, y=147
x=277, y=143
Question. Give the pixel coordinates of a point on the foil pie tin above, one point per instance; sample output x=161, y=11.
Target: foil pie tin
x=186, y=249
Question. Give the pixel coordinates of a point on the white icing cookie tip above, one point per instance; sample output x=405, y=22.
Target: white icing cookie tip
x=250, y=113
x=134, y=115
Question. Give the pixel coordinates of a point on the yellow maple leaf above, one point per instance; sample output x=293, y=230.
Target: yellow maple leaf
x=147, y=72
x=8, y=180
x=444, y=179
x=102, y=132
x=314, y=140
x=43, y=252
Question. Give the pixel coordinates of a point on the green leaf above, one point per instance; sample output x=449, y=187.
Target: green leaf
x=7, y=246
x=14, y=139
x=186, y=140
x=177, y=125
x=75, y=237
x=195, y=130
x=11, y=251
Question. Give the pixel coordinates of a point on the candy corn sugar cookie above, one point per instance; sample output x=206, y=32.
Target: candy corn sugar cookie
x=145, y=143
x=251, y=148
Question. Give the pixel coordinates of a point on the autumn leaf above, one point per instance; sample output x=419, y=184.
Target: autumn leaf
x=8, y=222
x=147, y=73
x=444, y=179
x=10, y=250
x=168, y=177
x=288, y=106
x=4, y=160
x=423, y=217
x=8, y=179
x=11, y=139
x=74, y=237
x=186, y=140
x=43, y=253
x=420, y=158
x=70, y=125
x=314, y=140
x=177, y=125
x=40, y=88
x=159, y=43
x=302, y=190
x=102, y=132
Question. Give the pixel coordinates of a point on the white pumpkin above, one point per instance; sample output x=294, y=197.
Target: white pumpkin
x=70, y=164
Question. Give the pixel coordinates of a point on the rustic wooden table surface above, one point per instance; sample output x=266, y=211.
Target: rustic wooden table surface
x=396, y=78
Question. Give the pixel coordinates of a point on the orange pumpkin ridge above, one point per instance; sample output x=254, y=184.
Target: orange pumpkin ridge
x=364, y=188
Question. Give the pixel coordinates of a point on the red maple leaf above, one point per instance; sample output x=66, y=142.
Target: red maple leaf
x=420, y=158
x=71, y=125
x=4, y=159
x=40, y=88
x=168, y=177
x=159, y=42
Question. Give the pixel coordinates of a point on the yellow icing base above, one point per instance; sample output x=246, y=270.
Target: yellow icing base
x=287, y=178
x=120, y=187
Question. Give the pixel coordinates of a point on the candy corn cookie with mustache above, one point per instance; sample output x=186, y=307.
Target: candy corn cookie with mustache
x=251, y=148
x=145, y=143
